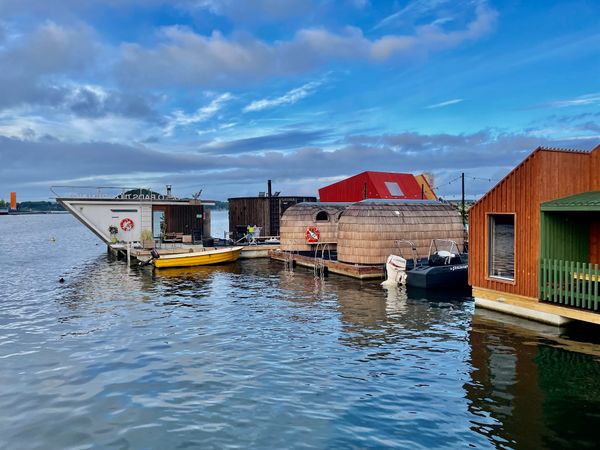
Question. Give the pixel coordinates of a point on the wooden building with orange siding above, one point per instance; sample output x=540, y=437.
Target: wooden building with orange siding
x=534, y=238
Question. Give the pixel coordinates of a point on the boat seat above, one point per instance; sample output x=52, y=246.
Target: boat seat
x=444, y=258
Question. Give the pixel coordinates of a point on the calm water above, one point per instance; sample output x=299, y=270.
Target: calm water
x=251, y=356
x=219, y=223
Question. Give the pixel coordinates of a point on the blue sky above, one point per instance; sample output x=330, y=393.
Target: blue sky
x=223, y=95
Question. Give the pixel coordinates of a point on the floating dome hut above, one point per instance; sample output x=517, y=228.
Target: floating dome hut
x=297, y=219
x=367, y=230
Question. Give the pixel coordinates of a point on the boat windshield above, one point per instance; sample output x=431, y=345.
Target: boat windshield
x=443, y=245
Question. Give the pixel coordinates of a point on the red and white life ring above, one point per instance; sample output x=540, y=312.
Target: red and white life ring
x=126, y=224
x=312, y=234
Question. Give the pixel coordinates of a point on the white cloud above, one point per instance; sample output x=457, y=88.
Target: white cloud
x=289, y=98
x=180, y=119
x=446, y=103
x=412, y=10
x=256, y=10
x=242, y=162
x=32, y=64
x=185, y=58
x=582, y=100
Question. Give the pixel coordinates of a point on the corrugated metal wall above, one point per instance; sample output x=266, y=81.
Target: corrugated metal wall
x=544, y=175
x=349, y=190
x=353, y=189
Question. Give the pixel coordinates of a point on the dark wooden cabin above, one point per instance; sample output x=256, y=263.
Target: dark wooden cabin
x=534, y=238
x=184, y=219
x=263, y=211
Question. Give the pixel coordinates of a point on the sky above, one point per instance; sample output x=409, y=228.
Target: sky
x=222, y=95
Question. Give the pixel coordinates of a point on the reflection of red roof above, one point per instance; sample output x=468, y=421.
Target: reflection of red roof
x=378, y=185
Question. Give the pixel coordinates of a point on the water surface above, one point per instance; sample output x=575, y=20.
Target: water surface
x=249, y=355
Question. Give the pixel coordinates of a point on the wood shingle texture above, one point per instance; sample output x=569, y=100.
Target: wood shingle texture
x=298, y=218
x=367, y=230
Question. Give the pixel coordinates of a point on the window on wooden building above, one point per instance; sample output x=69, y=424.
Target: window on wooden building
x=501, y=251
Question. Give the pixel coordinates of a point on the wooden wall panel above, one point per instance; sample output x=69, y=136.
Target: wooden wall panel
x=245, y=211
x=595, y=242
x=184, y=218
x=544, y=175
x=595, y=170
x=249, y=211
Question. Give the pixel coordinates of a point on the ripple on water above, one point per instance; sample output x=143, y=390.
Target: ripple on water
x=249, y=355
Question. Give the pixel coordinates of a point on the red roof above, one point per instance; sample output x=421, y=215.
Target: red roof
x=385, y=185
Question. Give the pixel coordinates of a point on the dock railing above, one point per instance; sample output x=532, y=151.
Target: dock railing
x=569, y=283
x=109, y=192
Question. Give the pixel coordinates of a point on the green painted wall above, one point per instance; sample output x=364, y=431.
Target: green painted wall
x=565, y=236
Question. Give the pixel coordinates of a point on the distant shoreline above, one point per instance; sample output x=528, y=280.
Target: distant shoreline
x=23, y=213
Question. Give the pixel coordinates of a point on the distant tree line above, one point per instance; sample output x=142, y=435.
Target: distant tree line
x=219, y=205
x=44, y=206
x=40, y=206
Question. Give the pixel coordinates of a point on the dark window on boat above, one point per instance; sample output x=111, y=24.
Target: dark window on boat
x=322, y=215
x=501, y=250
x=394, y=188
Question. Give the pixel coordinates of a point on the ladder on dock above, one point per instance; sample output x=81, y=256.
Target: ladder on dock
x=319, y=267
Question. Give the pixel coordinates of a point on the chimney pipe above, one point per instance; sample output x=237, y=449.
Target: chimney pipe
x=269, y=188
x=168, y=190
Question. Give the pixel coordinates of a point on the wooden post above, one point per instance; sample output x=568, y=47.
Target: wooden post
x=128, y=254
x=462, y=203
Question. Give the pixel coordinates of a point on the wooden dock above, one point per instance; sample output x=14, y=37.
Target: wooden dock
x=362, y=272
x=143, y=255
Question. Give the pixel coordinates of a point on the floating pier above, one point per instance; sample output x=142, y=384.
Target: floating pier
x=362, y=272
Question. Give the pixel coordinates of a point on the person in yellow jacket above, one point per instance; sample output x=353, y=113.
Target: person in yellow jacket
x=250, y=234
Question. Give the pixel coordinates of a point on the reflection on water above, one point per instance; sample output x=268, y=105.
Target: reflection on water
x=528, y=389
x=251, y=355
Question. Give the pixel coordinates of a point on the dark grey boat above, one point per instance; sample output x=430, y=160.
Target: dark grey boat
x=444, y=268
x=453, y=275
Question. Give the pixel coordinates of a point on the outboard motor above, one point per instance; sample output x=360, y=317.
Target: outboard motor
x=154, y=255
x=395, y=268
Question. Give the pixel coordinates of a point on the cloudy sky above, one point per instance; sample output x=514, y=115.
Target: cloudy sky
x=222, y=95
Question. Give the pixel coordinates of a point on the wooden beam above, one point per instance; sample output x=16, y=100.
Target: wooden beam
x=533, y=305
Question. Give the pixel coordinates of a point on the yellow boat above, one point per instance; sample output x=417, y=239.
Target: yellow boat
x=203, y=258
